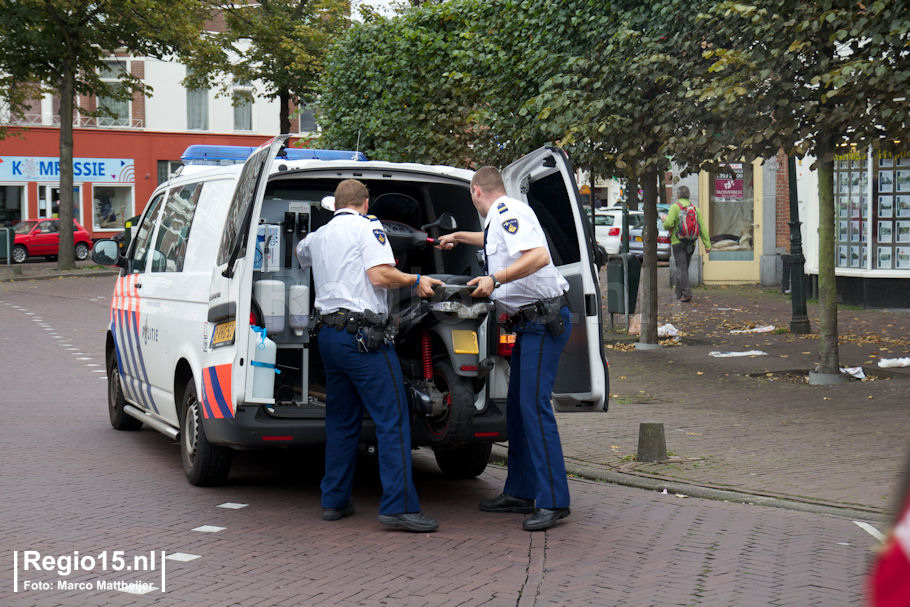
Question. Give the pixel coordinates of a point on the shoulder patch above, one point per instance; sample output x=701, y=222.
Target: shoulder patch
x=380, y=236
x=510, y=225
x=372, y=217
x=501, y=207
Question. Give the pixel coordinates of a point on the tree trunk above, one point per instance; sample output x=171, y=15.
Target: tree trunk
x=649, y=265
x=65, y=258
x=284, y=120
x=827, y=287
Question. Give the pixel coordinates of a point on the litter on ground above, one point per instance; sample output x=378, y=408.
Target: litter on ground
x=717, y=354
x=894, y=362
x=764, y=329
x=667, y=330
x=856, y=372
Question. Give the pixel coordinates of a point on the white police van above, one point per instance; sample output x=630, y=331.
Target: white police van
x=208, y=338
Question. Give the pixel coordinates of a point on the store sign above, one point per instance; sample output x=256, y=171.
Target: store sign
x=728, y=183
x=45, y=168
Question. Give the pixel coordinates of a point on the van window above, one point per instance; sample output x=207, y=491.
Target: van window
x=550, y=200
x=144, y=234
x=243, y=198
x=176, y=220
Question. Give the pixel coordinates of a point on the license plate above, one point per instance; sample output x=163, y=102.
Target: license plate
x=224, y=334
x=638, y=239
x=464, y=342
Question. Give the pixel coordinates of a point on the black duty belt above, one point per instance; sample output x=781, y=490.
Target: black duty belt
x=347, y=319
x=544, y=311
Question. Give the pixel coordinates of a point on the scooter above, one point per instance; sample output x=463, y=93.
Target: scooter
x=437, y=344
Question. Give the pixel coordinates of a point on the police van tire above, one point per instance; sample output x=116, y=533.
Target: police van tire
x=115, y=400
x=204, y=464
x=467, y=461
x=81, y=251
x=454, y=428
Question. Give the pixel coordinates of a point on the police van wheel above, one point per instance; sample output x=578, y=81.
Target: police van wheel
x=453, y=427
x=204, y=464
x=115, y=400
x=467, y=461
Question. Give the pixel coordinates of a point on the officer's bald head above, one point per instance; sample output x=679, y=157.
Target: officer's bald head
x=489, y=179
x=350, y=193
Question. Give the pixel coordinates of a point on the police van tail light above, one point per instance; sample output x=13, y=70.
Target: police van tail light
x=506, y=342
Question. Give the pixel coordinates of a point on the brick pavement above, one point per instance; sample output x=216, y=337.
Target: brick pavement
x=839, y=445
x=72, y=483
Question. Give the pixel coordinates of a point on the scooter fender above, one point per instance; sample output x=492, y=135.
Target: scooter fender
x=465, y=363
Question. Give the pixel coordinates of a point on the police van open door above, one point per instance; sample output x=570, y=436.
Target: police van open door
x=231, y=291
x=545, y=180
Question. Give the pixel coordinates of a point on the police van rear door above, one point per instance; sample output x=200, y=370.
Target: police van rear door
x=231, y=288
x=545, y=180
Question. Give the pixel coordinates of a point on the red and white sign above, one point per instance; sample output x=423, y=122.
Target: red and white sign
x=728, y=183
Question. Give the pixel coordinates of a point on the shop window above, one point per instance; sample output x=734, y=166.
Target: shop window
x=851, y=192
x=891, y=211
x=12, y=199
x=732, y=212
x=111, y=206
x=243, y=110
x=170, y=245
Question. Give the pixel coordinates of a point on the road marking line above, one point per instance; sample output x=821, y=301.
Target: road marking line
x=135, y=589
x=232, y=506
x=209, y=529
x=871, y=531
x=183, y=557
x=85, y=358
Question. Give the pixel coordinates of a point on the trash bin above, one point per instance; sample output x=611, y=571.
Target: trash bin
x=616, y=279
x=6, y=243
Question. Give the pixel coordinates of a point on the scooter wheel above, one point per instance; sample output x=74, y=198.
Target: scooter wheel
x=454, y=426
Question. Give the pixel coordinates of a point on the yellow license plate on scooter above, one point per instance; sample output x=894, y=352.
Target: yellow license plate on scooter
x=464, y=342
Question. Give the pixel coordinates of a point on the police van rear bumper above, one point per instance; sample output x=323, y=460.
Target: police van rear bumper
x=253, y=426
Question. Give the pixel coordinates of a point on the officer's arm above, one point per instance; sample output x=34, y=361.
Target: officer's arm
x=448, y=241
x=529, y=262
x=303, y=253
x=386, y=276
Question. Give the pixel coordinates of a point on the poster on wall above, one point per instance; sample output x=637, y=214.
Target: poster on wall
x=842, y=256
x=903, y=231
x=903, y=180
x=903, y=258
x=885, y=205
x=885, y=181
x=902, y=202
x=883, y=258
x=884, y=231
x=854, y=257
x=842, y=231
x=728, y=183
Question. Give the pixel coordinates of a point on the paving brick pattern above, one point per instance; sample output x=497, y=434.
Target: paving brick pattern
x=69, y=482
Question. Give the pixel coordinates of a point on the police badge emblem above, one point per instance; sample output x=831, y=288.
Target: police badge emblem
x=380, y=236
x=510, y=225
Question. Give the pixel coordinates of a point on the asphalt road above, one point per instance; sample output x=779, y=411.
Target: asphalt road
x=70, y=483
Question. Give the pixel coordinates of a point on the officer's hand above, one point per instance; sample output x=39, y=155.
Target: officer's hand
x=446, y=242
x=484, y=286
x=425, y=288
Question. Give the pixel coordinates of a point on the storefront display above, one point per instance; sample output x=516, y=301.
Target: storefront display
x=731, y=213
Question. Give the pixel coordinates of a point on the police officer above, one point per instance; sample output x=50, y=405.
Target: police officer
x=353, y=266
x=530, y=293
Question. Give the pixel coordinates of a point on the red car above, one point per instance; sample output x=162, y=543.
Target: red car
x=36, y=237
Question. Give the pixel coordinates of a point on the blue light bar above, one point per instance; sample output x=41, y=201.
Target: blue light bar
x=224, y=155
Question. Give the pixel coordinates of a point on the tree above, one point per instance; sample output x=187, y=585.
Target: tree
x=61, y=47
x=820, y=75
x=278, y=43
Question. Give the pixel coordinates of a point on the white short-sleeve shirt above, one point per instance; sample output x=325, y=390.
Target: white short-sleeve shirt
x=340, y=253
x=512, y=227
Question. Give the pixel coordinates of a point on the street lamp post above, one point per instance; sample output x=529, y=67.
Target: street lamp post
x=800, y=321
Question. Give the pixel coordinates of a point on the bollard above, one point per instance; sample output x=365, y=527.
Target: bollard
x=652, y=444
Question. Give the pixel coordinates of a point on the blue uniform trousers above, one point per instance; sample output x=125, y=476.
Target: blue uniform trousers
x=536, y=467
x=355, y=380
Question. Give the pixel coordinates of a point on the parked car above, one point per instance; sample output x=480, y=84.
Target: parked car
x=608, y=232
x=36, y=237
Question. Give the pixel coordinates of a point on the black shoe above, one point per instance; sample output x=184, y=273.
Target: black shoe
x=412, y=521
x=544, y=519
x=507, y=503
x=333, y=514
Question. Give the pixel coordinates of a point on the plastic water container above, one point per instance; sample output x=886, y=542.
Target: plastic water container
x=262, y=353
x=269, y=294
x=298, y=308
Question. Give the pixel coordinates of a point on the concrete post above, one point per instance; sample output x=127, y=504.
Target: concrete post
x=652, y=444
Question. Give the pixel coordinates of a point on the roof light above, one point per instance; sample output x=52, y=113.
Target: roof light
x=226, y=155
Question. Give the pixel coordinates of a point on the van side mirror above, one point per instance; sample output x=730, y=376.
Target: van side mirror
x=600, y=255
x=107, y=253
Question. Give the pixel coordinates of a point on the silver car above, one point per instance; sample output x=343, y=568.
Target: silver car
x=636, y=227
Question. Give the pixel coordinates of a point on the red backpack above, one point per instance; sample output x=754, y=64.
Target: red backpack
x=687, y=225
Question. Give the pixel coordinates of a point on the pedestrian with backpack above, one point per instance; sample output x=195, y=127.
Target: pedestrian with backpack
x=686, y=227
